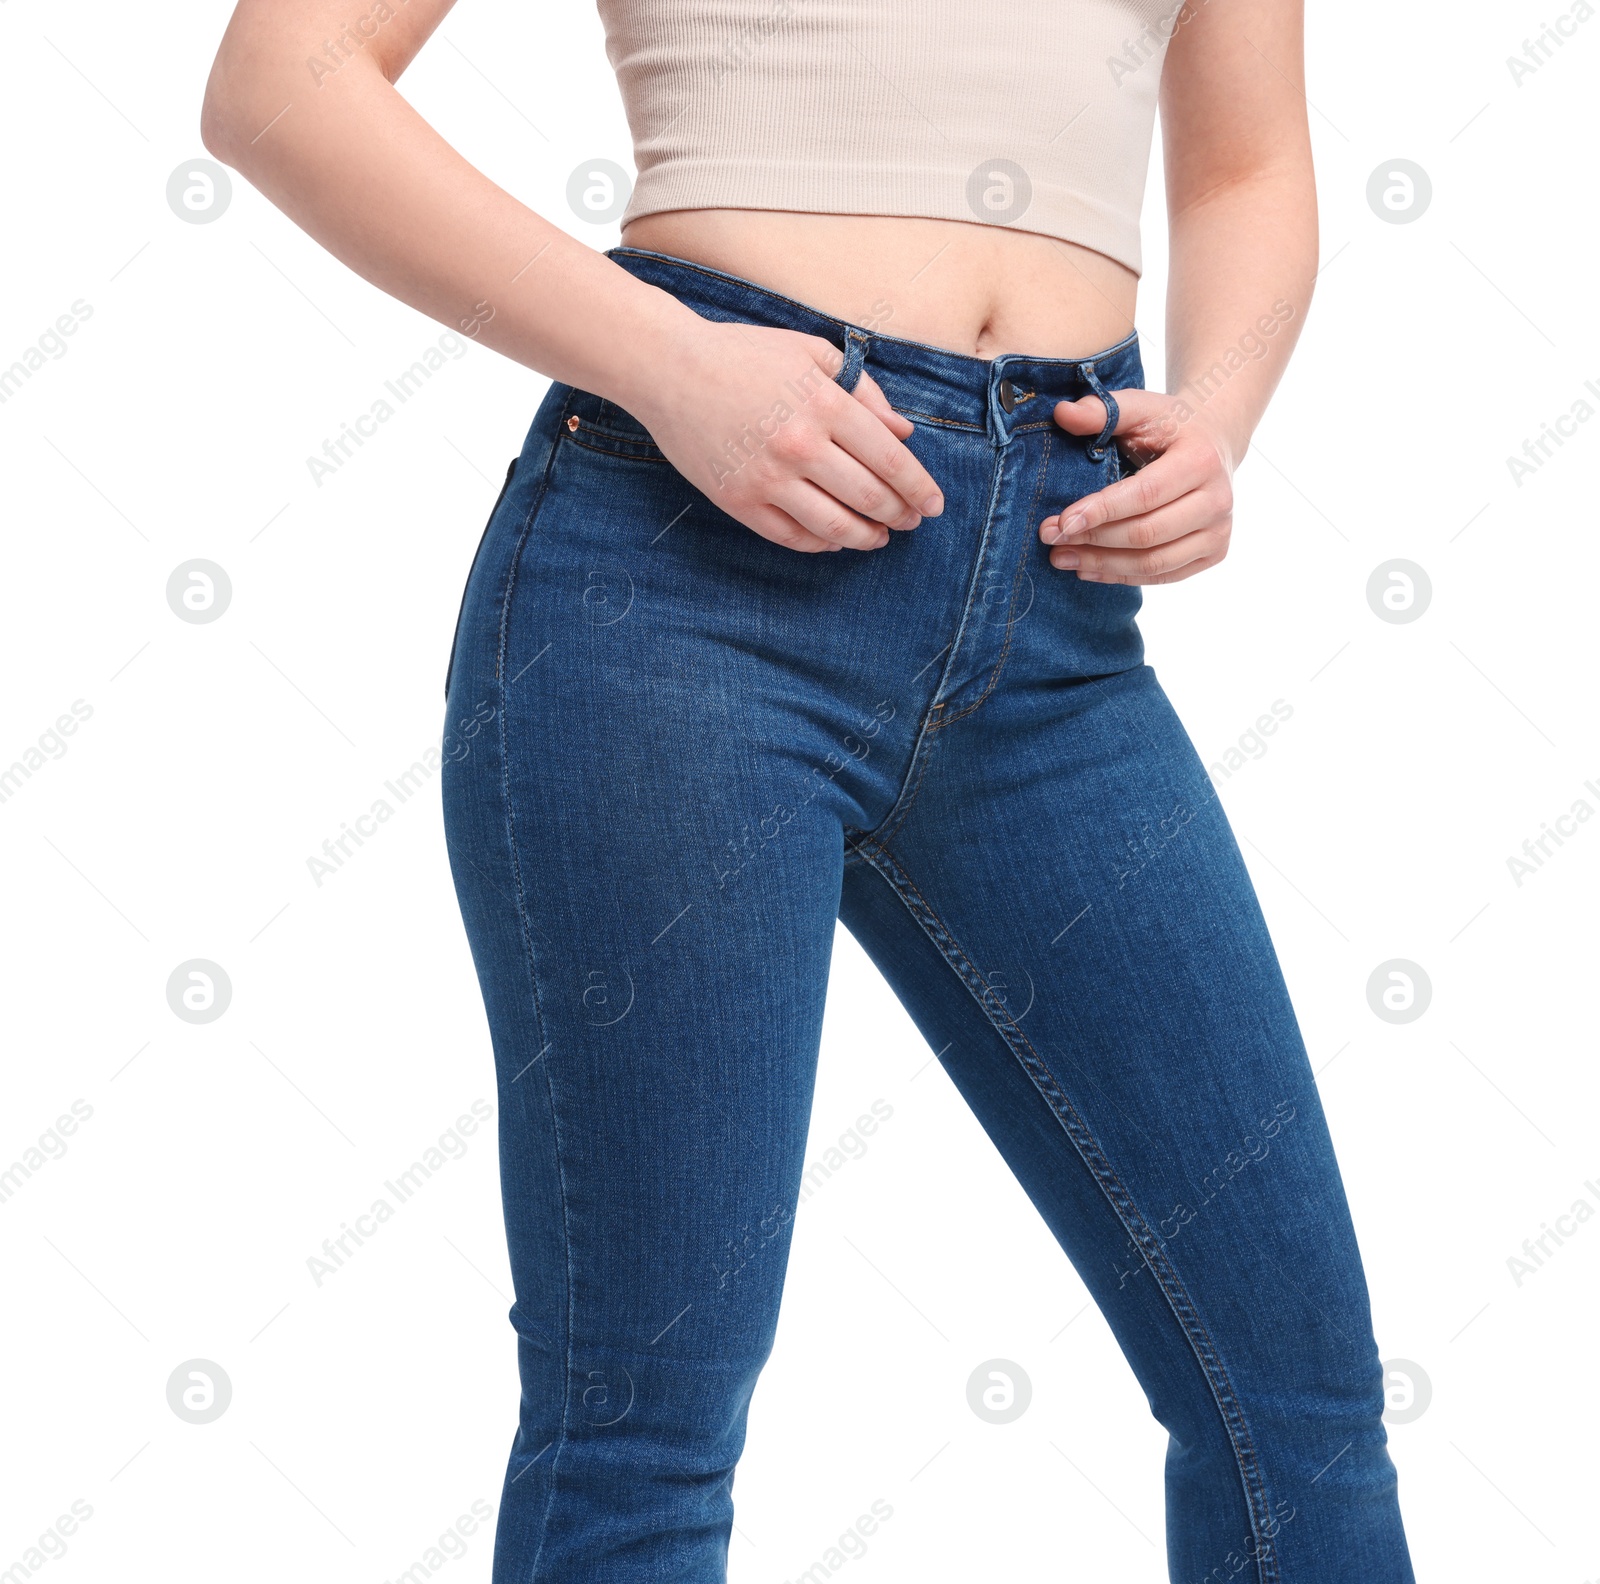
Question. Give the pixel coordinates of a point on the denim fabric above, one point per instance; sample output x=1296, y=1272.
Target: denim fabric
x=675, y=755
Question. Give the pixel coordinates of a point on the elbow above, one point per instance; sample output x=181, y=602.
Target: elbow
x=218, y=116
x=233, y=112
x=214, y=131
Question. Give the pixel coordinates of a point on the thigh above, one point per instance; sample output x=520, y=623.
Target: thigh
x=654, y=983
x=1143, y=1072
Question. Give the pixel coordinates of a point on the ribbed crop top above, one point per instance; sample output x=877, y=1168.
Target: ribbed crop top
x=1032, y=114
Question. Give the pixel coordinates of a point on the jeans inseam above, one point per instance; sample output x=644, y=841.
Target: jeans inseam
x=533, y=979
x=921, y=758
x=1111, y=1185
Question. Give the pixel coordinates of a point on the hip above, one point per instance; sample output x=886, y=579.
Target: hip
x=609, y=585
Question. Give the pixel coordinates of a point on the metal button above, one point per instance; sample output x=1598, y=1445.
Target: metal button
x=1011, y=395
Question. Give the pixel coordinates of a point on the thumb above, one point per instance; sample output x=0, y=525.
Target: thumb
x=1135, y=406
x=1085, y=416
x=871, y=396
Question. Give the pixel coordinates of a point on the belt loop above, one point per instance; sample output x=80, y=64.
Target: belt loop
x=998, y=410
x=855, y=357
x=1098, y=450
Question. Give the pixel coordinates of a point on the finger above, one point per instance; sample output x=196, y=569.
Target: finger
x=782, y=529
x=1177, y=575
x=871, y=443
x=870, y=395
x=821, y=514
x=829, y=358
x=1085, y=416
x=1172, y=474
x=838, y=474
x=1144, y=529
x=1186, y=571
x=1136, y=566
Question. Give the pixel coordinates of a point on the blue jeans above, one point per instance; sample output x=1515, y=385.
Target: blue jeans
x=676, y=754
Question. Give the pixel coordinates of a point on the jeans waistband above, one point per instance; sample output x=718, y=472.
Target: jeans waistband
x=1000, y=395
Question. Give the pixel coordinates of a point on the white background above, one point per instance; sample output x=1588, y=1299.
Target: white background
x=370, y=1412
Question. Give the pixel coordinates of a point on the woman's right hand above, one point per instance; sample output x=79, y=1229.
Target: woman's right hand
x=751, y=415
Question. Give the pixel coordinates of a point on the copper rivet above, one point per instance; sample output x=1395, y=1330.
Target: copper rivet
x=572, y=425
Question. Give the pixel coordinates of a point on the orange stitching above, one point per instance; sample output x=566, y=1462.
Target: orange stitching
x=1005, y=648
x=925, y=758
x=934, y=418
x=1249, y=1460
x=631, y=456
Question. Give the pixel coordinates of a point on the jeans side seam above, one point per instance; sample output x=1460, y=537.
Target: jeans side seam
x=483, y=539
x=533, y=976
x=1110, y=1184
x=1011, y=621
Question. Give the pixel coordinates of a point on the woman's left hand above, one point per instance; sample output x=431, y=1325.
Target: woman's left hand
x=1168, y=520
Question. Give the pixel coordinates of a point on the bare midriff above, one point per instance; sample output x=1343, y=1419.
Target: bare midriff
x=983, y=290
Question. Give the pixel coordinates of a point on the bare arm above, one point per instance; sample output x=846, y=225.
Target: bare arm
x=1242, y=206
x=1241, y=201
x=351, y=162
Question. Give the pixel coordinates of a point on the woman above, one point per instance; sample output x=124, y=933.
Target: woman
x=875, y=294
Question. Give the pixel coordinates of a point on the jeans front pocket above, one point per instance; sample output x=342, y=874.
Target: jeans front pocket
x=600, y=425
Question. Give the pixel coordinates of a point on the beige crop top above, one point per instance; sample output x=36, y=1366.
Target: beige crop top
x=1034, y=114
